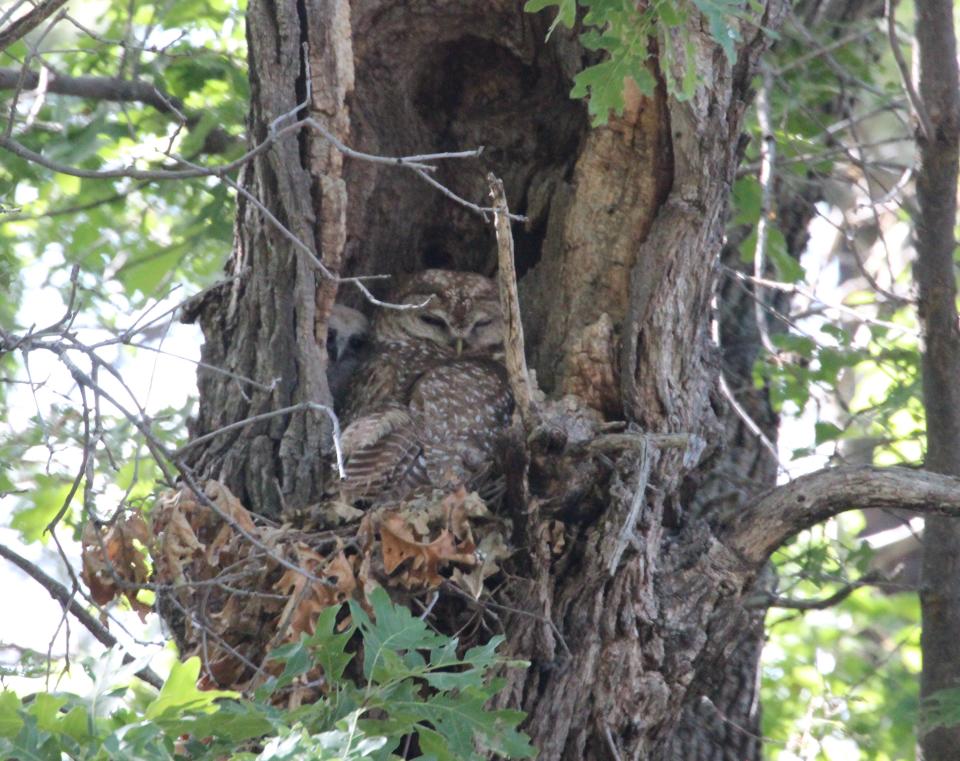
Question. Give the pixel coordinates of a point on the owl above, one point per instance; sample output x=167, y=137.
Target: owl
x=348, y=343
x=426, y=408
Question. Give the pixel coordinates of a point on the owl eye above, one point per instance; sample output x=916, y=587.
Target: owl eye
x=482, y=323
x=432, y=319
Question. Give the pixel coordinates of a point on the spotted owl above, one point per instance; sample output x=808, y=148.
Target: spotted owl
x=425, y=409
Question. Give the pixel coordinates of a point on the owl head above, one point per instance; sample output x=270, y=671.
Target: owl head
x=461, y=314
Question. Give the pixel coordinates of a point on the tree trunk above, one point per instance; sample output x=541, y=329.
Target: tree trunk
x=939, y=141
x=637, y=616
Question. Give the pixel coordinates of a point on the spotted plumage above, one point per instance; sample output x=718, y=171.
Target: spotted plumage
x=426, y=408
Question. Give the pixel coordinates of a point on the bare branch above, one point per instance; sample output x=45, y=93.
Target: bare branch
x=793, y=289
x=62, y=595
x=926, y=126
x=764, y=524
x=483, y=211
x=515, y=359
x=24, y=70
x=137, y=174
x=115, y=90
x=750, y=423
x=197, y=363
x=313, y=406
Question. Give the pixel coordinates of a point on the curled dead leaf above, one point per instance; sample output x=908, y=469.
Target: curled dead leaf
x=423, y=559
x=114, y=560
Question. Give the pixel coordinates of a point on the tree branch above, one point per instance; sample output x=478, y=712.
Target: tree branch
x=28, y=22
x=116, y=90
x=62, y=595
x=113, y=89
x=775, y=601
x=764, y=524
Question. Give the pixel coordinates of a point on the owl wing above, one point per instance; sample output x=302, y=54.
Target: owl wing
x=383, y=456
x=385, y=377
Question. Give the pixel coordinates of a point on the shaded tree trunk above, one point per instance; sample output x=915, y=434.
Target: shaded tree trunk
x=939, y=142
x=617, y=265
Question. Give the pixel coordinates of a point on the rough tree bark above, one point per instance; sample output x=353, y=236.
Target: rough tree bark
x=638, y=616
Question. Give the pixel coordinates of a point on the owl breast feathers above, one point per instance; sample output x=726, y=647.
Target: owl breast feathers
x=425, y=409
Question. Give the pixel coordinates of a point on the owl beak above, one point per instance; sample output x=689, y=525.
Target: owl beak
x=459, y=346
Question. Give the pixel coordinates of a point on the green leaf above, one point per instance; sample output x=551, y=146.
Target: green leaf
x=394, y=628
x=46, y=708
x=296, y=660
x=566, y=12
x=827, y=432
x=235, y=722
x=10, y=721
x=76, y=724
x=329, y=646
x=180, y=693
x=788, y=268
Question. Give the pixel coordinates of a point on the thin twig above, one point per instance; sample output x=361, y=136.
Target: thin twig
x=24, y=70
x=751, y=424
x=792, y=289
x=768, y=154
x=775, y=601
x=62, y=595
x=926, y=125
x=202, y=365
x=314, y=406
x=627, y=533
x=483, y=211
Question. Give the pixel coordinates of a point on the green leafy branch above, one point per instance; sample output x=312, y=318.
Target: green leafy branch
x=416, y=691
x=626, y=33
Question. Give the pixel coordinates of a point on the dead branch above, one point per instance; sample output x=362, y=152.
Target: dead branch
x=763, y=525
x=767, y=177
x=515, y=360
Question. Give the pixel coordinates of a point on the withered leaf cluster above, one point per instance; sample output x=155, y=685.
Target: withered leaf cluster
x=234, y=587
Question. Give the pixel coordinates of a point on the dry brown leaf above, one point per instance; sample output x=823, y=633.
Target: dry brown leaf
x=491, y=552
x=339, y=571
x=223, y=498
x=114, y=561
x=224, y=539
x=423, y=560
x=178, y=541
x=307, y=598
